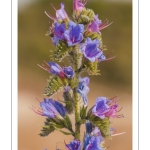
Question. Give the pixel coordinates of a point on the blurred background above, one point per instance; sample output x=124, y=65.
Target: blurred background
x=115, y=78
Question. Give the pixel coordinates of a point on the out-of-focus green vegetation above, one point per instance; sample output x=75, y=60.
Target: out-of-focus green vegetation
x=34, y=46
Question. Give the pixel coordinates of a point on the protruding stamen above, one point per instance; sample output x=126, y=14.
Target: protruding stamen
x=104, y=25
x=119, y=109
x=109, y=59
x=43, y=67
x=118, y=134
x=113, y=97
x=53, y=7
x=38, y=100
x=49, y=16
x=85, y=1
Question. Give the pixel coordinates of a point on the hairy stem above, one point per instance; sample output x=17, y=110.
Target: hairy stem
x=76, y=96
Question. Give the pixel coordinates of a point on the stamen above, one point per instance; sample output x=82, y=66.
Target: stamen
x=37, y=112
x=118, y=134
x=109, y=58
x=38, y=100
x=49, y=16
x=119, y=116
x=53, y=7
x=46, y=63
x=43, y=67
x=119, y=109
x=113, y=97
x=85, y=1
x=104, y=25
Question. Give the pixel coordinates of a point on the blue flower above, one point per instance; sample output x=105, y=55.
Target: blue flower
x=58, y=32
x=74, y=145
x=51, y=109
x=101, y=56
x=69, y=72
x=83, y=88
x=93, y=142
x=106, y=108
x=87, y=138
x=94, y=26
x=88, y=126
x=60, y=13
x=74, y=34
x=56, y=69
x=90, y=49
x=101, y=107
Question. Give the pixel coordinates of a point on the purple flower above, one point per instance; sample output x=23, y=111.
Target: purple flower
x=74, y=34
x=58, y=32
x=74, y=145
x=104, y=25
x=90, y=49
x=101, y=107
x=113, y=110
x=93, y=143
x=105, y=108
x=97, y=25
x=93, y=140
x=69, y=72
x=51, y=109
x=57, y=70
x=78, y=5
x=94, y=26
x=83, y=88
x=60, y=13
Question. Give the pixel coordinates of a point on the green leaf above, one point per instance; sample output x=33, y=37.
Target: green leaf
x=47, y=128
x=102, y=124
x=92, y=67
x=66, y=133
x=54, y=84
x=61, y=51
x=67, y=122
x=83, y=112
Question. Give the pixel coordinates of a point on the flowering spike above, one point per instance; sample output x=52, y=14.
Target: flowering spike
x=80, y=40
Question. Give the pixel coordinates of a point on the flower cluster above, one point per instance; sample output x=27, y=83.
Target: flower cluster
x=79, y=40
x=73, y=33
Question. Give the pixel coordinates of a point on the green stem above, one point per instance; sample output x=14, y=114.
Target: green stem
x=77, y=115
x=76, y=97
